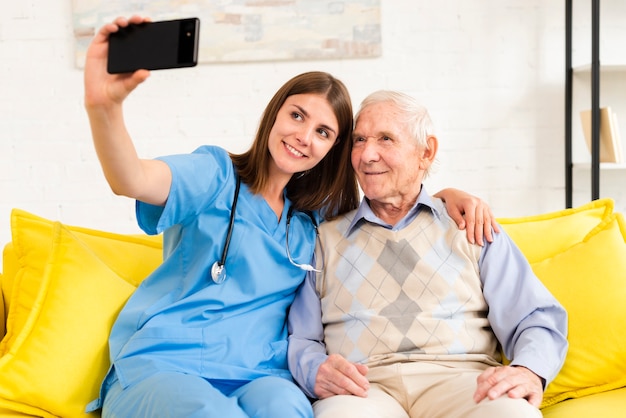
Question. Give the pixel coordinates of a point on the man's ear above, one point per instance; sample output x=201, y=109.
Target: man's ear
x=430, y=151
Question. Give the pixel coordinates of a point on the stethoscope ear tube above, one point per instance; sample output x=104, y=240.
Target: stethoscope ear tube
x=305, y=267
x=218, y=270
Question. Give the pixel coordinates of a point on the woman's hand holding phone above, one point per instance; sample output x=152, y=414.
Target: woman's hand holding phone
x=101, y=87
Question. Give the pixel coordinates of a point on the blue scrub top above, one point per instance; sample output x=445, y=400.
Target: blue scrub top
x=179, y=319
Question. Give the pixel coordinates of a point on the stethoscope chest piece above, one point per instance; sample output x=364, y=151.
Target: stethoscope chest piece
x=218, y=273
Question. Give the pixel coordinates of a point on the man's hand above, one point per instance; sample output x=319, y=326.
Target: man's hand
x=515, y=381
x=338, y=376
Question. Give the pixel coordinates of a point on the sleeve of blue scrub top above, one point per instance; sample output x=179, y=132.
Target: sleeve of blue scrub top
x=196, y=180
x=306, y=349
x=529, y=322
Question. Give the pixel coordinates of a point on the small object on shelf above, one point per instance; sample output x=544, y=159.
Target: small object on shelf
x=618, y=139
x=610, y=142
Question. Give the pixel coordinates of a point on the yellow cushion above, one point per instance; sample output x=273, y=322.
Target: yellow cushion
x=2, y=313
x=9, y=269
x=56, y=361
x=10, y=409
x=545, y=235
x=589, y=279
x=611, y=404
x=31, y=244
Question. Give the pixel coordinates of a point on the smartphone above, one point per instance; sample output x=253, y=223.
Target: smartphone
x=154, y=46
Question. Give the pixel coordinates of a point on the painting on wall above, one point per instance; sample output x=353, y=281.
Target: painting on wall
x=252, y=30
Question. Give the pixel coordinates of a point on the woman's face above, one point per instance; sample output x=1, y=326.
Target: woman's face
x=305, y=130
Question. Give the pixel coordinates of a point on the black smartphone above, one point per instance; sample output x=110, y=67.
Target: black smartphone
x=154, y=46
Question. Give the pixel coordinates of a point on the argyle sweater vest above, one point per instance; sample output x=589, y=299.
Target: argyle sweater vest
x=406, y=295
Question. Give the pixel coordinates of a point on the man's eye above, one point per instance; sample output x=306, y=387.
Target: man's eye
x=386, y=138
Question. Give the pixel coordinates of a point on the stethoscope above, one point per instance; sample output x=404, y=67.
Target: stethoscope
x=218, y=270
x=305, y=267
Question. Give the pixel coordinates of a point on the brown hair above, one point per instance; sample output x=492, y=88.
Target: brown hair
x=331, y=185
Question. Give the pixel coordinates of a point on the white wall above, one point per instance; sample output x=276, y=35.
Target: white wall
x=490, y=71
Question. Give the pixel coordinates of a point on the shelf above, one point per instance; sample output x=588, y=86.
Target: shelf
x=603, y=166
x=608, y=68
x=583, y=91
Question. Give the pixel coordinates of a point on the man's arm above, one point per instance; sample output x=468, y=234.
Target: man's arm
x=528, y=321
x=306, y=349
x=319, y=375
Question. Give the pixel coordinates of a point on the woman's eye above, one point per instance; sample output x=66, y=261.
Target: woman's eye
x=323, y=132
x=296, y=116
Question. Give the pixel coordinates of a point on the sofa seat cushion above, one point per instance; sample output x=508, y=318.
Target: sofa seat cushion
x=75, y=281
x=609, y=404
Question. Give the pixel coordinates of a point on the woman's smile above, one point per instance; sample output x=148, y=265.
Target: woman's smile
x=294, y=151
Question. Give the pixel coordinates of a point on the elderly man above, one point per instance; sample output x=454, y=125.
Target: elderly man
x=406, y=318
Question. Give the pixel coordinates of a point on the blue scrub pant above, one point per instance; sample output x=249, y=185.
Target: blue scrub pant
x=178, y=395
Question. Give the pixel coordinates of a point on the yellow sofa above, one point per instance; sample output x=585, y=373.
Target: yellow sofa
x=62, y=287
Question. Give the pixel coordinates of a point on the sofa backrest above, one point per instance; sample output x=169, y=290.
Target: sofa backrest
x=9, y=269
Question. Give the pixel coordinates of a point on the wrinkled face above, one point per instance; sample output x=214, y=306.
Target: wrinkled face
x=305, y=130
x=387, y=160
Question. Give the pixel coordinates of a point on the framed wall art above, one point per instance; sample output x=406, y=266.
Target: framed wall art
x=252, y=30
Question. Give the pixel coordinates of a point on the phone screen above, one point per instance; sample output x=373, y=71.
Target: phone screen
x=154, y=46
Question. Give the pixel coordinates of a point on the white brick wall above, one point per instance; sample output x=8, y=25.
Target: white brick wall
x=491, y=73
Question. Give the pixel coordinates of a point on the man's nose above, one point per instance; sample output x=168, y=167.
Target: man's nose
x=369, y=151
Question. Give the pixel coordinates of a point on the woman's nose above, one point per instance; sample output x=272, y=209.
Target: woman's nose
x=305, y=135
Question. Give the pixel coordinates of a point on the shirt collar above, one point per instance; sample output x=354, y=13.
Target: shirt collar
x=365, y=214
